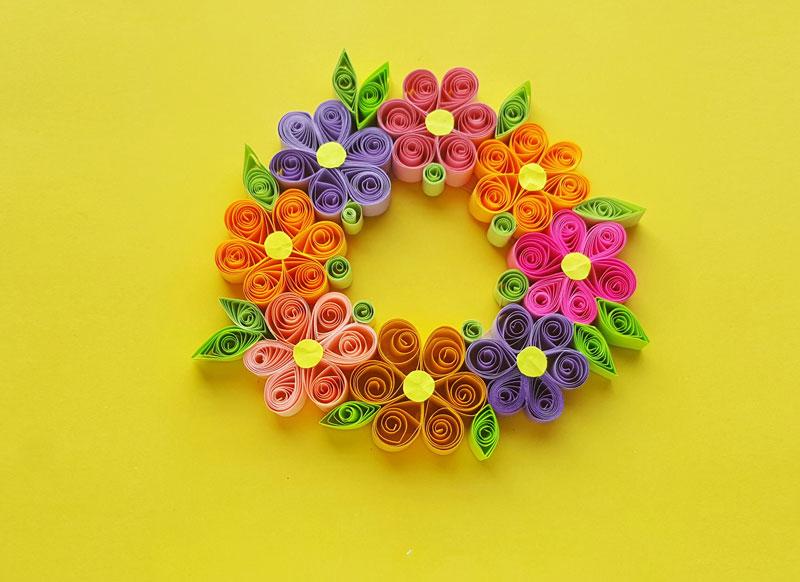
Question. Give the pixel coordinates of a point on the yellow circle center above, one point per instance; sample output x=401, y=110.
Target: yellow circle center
x=439, y=122
x=331, y=155
x=278, y=245
x=307, y=353
x=532, y=362
x=532, y=177
x=418, y=386
x=576, y=266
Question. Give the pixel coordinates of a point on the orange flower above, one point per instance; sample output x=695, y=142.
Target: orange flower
x=527, y=178
x=279, y=250
x=419, y=392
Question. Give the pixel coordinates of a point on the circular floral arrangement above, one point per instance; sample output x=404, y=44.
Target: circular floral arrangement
x=561, y=299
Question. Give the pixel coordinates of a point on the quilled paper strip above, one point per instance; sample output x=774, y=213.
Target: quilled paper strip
x=592, y=344
x=245, y=315
x=350, y=415
x=484, y=434
x=511, y=287
x=471, y=330
x=352, y=218
x=620, y=326
x=501, y=228
x=601, y=209
x=364, y=312
x=260, y=184
x=514, y=110
x=339, y=272
x=364, y=102
x=433, y=179
x=228, y=343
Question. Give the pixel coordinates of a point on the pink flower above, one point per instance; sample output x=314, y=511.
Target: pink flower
x=570, y=267
x=437, y=124
x=310, y=352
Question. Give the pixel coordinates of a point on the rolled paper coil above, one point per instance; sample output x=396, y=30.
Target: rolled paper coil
x=229, y=343
x=592, y=344
x=352, y=218
x=471, y=330
x=433, y=179
x=484, y=433
x=620, y=326
x=364, y=312
x=514, y=110
x=501, y=228
x=339, y=272
x=601, y=209
x=350, y=415
x=245, y=315
x=511, y=287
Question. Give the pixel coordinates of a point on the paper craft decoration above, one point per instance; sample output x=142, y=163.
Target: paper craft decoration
x=528, y=178
x=364, y=102
x=364, y=312
x=323, y=156
x=601, y=209
x=231, y=342
x=282, y=249
x=526, y=363
x=569, y=267
x=437, y=124
x=514, y=110
x=311, y=353
x=420, y=392
x=561, y=297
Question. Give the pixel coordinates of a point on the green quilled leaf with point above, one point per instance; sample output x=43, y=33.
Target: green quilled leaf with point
x=484, y=433
x=350, y=415
x=260, y=184
x=514, y=110
x=592, y=344
x=245, y=315
x=364, y=102
x=229, y=343
x=620, y=326
x=603, y=209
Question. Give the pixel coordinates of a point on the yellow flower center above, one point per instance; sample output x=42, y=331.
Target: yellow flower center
x=331, y=154
x=307, y=353
x=418, y=386
x=532, y=362
x=278, y=245
x=576, y=266
x=439, y=122
x=532, y=177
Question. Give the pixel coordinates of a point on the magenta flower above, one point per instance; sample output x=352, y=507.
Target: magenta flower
x=570, y=267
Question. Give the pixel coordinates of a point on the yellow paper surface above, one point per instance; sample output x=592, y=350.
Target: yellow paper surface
x=122, y=459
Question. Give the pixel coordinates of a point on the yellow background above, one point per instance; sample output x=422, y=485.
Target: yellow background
x=123, y=126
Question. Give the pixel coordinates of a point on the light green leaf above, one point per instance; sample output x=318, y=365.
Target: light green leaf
x=350, y=415
x=229, y=343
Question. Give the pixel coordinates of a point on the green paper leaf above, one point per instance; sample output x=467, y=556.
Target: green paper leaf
x=260, y=184
x=620, y=326
x=229, y=343
x=602, y=209
x=484, y=433
x=245, y=315
x=344, y=82
x=371, y=95
x=592, y=344
x=511, y=287
x=350, y=415
x=514, y=110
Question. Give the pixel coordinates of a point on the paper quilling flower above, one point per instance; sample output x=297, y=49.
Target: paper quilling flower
x=311, y=352
x=569, y=267
x=527, y=363
x=419, y=392
x=335, y=165
x=528, y=178
x=437, y=124
x=280, y=249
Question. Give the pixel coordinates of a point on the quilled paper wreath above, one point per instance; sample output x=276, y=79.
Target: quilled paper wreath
x=561, y=298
